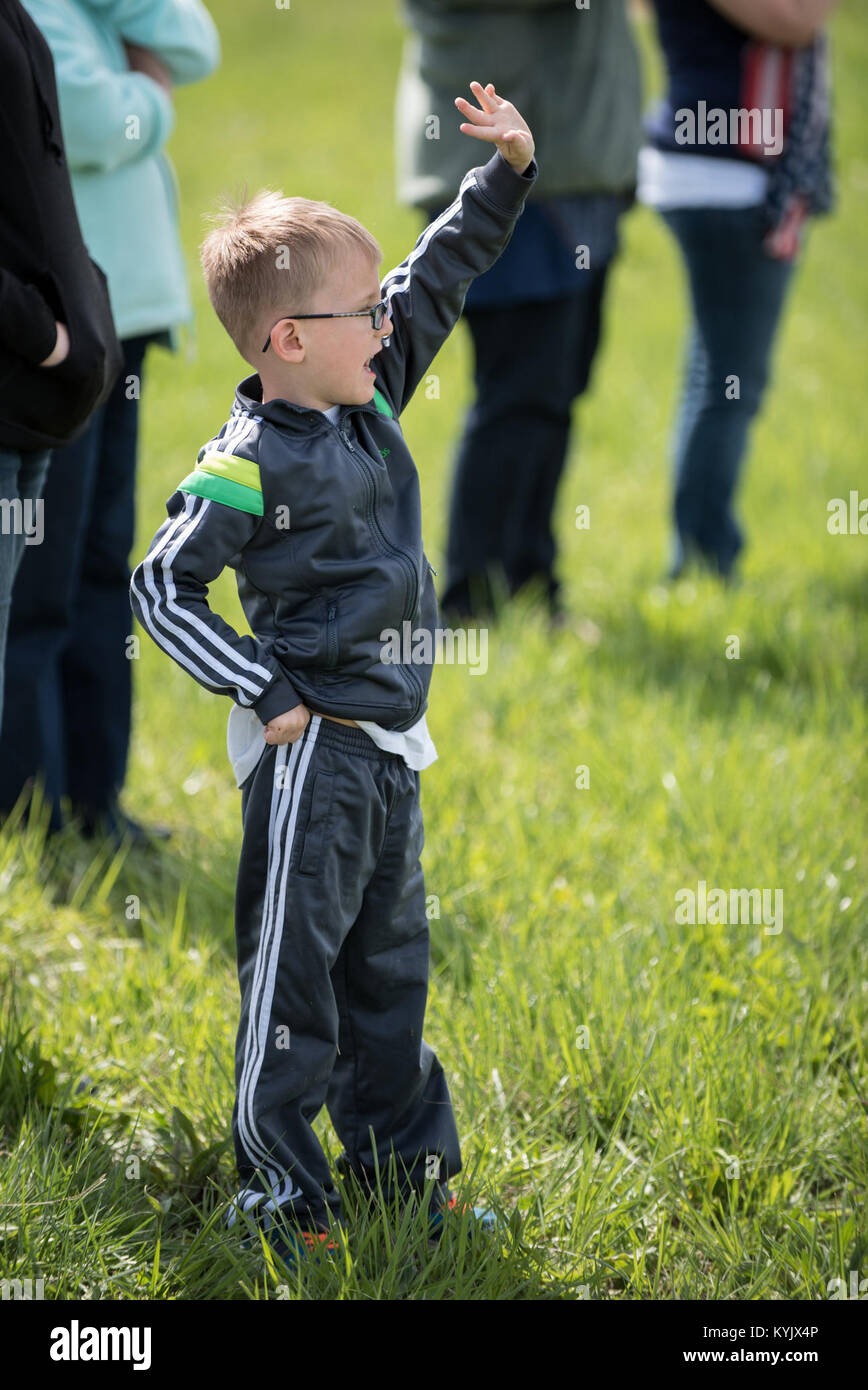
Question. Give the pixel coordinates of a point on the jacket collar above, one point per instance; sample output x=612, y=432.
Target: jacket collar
x=286, y=414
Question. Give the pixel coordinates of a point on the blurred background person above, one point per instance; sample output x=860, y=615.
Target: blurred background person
x=737, y=207
x=68, y=669
x=58, y=351
x=535, y=318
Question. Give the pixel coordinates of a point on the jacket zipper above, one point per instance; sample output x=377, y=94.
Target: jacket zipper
x=361, y=464
x=332, y=635
x=407, y=563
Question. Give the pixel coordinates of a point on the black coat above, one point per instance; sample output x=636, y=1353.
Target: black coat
x=45, y=271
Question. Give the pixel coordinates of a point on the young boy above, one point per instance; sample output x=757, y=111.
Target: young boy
x=309, y=493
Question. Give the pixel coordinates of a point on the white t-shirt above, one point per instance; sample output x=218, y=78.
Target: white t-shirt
x=670, y=180
x=245, y=741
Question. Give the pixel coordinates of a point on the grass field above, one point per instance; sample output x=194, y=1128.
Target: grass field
x=658, y=1110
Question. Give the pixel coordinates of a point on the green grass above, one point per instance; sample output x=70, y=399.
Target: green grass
x=709, y=1140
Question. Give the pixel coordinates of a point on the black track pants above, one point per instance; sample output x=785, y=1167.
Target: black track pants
x=332, y=942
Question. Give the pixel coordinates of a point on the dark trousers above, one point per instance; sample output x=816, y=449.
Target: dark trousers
x=68, y=669
x=332, y=942
x=532, y=361
x=22, y=479
x=737, y=292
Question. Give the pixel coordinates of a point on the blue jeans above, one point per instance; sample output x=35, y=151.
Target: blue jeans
x=68, y=673
x=737, y=292
x=22, y=478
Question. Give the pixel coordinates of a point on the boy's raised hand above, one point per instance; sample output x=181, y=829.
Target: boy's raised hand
x=498, y=121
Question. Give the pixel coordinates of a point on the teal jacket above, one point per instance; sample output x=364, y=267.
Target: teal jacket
x=115, y=126
x=573, y=73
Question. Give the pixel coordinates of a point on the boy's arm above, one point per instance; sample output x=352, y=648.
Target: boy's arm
x=425, y=293
x=169, y=596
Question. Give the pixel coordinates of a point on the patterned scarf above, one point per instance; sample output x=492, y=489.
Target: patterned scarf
x=800, y=180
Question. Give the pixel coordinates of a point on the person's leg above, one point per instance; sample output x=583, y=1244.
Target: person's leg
x=484, y=472
x=314, y=818
x=566, y=359
x=388, y=1096
x=737, y=293
x=32, y=737
x=531, y=362
x=22, y=480
x=96, y=666
x=287, y=1031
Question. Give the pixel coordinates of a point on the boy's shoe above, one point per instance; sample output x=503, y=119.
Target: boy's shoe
x=484, y=1221
x=289, y=1242
x=294, y=1246
x=443, y=1204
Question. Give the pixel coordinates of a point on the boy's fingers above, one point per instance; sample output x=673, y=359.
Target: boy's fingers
x=486, y=99
x=490, y=132
x=481, y=117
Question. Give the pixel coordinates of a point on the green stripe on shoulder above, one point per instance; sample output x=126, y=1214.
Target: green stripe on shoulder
x=382, y=404
x=221, y=489
x=227, y=478
x=232, y=466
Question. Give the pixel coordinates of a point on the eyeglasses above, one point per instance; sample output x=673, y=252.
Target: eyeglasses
x=376, y=315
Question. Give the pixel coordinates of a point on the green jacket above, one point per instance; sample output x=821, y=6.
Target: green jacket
x=572, y=73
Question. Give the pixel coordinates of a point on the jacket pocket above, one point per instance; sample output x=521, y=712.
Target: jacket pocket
x=332, y=643
x=55, y=403
x=95, y=357
x=317, y=822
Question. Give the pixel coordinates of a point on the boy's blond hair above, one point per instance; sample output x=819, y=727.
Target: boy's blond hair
x=267, y=255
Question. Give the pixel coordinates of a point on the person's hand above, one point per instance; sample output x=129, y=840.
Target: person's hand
x=499, y=122
x=286, y=728
x=145, y=60
x=784, y=242
x=60, y=351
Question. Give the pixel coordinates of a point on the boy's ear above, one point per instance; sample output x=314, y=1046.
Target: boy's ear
x=286, y=343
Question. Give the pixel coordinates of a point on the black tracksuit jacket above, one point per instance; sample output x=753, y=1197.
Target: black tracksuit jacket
x=322, y=523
